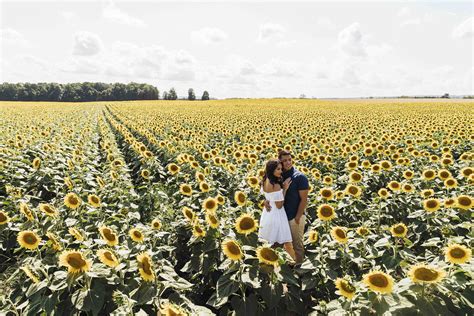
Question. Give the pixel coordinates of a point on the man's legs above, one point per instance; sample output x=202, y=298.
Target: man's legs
x=297, y=233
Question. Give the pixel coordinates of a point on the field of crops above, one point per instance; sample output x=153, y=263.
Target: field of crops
x=153, y=207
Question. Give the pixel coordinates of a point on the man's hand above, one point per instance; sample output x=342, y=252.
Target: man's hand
x=297, y=219
x=267, y=206
x=286, y=184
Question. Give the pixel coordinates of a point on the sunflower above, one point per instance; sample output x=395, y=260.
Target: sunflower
x=464, y=202
x=107, y=257
x=28, y=239
x=232, y=249
x=145, y=267
x=355, y=177
x=136, y=235
x=108, y=235
x=362, y=231
x=408, y=188
x=185, y=189
x=449, y=203
x=72, y=201
x=394, y=186
x=431, y=205
x=204, y=186
x=240, y=198
x=444, y=174
x=345, y=288
x=245, y=224
x=326, y=212
x=188, y=213
x=429, y=174
x=427, y=193
x=267, y=255
x=210, y=204
x=74, y=261
x=212, y=220
x=93, y=200
x=198, y=231
x=399, y=230
x=220, y=199
x=327, y=180
x=30, y=274
x=408, y=174
x=199, y=176
x=353, y=190
x=76, y=233
x=252, y=181
x=4, y=218
x=173, y=168
x=170, y=309
x=25, y=210
x=379, y=281
x=36, y=163
x=145, y=173
x=326, y=193
x=313, y=236
x=100, y=181
x=48, y=210
x=457, y=254
x=339, y=234
x=466, y=172
x=155, y=224
x=55, y=244
x=421, y=273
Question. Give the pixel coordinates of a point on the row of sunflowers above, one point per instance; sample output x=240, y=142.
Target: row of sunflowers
x=153, y=207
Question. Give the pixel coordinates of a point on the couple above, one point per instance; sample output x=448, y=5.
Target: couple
x=286, y=194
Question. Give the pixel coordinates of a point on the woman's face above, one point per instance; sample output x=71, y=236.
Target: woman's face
x=278, y=170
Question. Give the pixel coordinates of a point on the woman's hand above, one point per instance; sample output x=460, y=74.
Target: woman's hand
x=286, y=184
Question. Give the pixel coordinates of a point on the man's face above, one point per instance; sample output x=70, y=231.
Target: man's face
x=287, y=162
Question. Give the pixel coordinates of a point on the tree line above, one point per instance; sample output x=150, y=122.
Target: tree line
x=87, y=91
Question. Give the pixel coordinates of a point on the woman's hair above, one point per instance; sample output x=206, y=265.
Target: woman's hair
x=270, y=167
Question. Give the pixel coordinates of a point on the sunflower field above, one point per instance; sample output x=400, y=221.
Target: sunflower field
x=152, y=207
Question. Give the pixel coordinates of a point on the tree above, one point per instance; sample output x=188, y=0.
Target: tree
x=172, y=94
x=191, y=95
x=205, y=96
x=165, y=96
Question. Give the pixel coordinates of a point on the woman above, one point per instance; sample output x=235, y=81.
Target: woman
x=274, y=227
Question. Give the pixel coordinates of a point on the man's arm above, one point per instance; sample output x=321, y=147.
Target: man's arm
x=302, y=206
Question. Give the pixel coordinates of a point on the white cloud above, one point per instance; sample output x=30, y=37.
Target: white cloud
x=415, y=21
x=271, y=31
x=113, y=13
x=350, y=41
x=325, y=23
x=465, y=29
x=86, y=44
x=208, y=35
x=81, y=65
x=67, y=15
x=9, y=36
x=404, y=12
x=182, y=57
x=280, y=68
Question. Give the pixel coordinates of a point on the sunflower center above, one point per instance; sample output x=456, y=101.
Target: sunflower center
x=340, y=233
x=269, y=254
x=210, y=204
x=94, y=199
x=233, y=248
x=241, y=198
x=108, y=234
x=73, y=200
x=137, y=234
x=399, y=229
x=108, y=255
x=48, y=209
x=186, y=189
x=189, y=214
x=378, y=280
x=326, y=193
x=426, y=274
x=76, y=261
x=3, y=217
x=464, y=201
x=146, y=266
x=353, y=190
x=457, y=253
x=431, y=204
x=247, y=223
x=429, y=174
x=326, y=211
x=30, y=238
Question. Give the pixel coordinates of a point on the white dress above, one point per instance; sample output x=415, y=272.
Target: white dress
x=274, y=227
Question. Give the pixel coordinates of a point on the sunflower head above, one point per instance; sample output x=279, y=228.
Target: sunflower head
x=36, y=163
x=464, y=202
x=204, y=186
x=245, y=224
x=421, y=273
x=379, y=282
x=326, y=193
x=145, y=267
x=198, y=231
x=458, y=254
x=170, y=309
x=185, y=189
x=72, y=201
x=345, y=288
x=399, y=230
x=173, y=168
x=74, y=261
x=76, y=233
x=30, y=274
x=240, y=198
x=431, y=205
x=136, y=235
x=326, y=212
x=107, y=257
x=394, y=186
x=268, y=256
x=108, y=235
x=156, y=224
x=28, y=239
x=232, y=249
x=210, y=204
x=340, y=234
x=93, y=200
x=188, y=213
x=252, y=181
x=212, y=220
x=362, y=231
x=48, y=209
x=4, y=218
x=313, y=236
x=353, y=190
x=145, y=173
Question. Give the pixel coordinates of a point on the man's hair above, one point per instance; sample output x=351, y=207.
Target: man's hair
x=284, y=152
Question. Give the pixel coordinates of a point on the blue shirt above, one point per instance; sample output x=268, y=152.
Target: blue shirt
x=292, y=197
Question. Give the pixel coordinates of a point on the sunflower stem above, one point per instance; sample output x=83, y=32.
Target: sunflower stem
x=423, y=291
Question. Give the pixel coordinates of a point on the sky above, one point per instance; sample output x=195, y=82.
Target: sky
x=244, y=49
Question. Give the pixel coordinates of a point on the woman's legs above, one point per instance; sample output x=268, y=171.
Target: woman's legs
x=289, y=248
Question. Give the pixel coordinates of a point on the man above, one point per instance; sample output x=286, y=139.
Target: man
x=296, y=200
